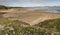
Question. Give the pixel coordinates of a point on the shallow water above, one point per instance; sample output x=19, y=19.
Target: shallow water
x=52, y=11
x=45, y=9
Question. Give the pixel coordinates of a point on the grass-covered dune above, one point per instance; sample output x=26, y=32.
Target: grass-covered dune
x=3, y=7
x=53, y=24
x=15, y=27
x=9, y=27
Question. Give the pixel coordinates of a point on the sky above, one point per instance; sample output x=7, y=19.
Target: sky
x=30, y=3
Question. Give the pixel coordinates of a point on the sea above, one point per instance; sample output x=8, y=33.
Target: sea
x=50, y=9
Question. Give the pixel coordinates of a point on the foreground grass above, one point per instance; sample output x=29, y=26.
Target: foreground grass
x=53, y=24
x=9, y=27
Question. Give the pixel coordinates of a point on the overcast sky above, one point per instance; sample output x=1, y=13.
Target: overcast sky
x=30, y=3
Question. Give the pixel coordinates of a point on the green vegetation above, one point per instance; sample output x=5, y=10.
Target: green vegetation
x=15, y=27
x=3, y=7
x=9, y=27
x=50, y=24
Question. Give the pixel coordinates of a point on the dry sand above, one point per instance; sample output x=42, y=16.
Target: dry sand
x=31, y=17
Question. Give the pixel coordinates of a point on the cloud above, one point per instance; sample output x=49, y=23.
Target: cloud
x=3, y=1
x=10, y=2
x=29, y=2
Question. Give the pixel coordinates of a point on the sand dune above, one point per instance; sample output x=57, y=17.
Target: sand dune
x=31, y=17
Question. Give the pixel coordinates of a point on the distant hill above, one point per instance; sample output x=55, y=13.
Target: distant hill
x=5, y=7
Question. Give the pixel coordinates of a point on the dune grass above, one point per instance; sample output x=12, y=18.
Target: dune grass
x=12, y=27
